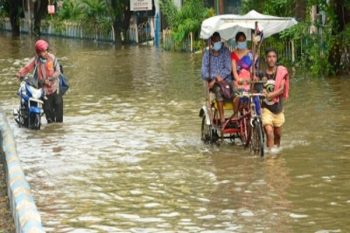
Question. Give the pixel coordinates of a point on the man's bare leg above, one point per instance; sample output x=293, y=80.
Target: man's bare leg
x=277, y=132
x=235, y=103
x=269, y=136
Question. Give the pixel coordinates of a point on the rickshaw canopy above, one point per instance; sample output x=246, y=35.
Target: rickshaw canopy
x=229, y=24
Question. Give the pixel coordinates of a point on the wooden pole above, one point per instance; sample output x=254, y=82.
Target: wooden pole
x=29, y=17
x=293, y=51
x=254, y=46
x=221, y=7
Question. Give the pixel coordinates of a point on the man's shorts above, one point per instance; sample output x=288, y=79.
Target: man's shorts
x=269, y=118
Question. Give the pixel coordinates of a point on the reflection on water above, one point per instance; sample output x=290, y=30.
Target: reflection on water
x=128, y=157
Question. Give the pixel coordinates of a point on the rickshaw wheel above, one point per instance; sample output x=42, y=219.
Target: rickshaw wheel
x=244, y=131
x=257, y=144
x=208, y=133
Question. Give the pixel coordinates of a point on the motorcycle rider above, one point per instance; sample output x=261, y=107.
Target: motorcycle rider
x=46, y=71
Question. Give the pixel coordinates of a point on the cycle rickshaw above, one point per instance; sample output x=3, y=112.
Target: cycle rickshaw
x=248, y=126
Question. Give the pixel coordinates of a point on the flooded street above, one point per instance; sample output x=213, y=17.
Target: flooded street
x=128, y=157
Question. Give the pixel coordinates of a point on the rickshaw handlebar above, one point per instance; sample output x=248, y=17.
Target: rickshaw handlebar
x=250, y=94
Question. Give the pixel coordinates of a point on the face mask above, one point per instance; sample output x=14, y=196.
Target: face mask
x=217, y=46
x=242, y=45
x=42, y=59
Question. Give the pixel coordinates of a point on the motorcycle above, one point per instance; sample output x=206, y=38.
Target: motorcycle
x=30, y=110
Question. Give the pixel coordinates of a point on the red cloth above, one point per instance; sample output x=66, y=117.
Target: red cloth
x=234, y=56
x=282, y=74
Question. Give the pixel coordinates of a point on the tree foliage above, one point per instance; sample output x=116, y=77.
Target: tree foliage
x=120, y=14
x=70, y=10
x=327, y=50
x=185, y=20
x=4, y=8
x=93, y=9
x=90, y=13
x=271, y=7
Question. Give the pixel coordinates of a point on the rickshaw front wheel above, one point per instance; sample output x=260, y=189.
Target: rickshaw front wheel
x=208, y=133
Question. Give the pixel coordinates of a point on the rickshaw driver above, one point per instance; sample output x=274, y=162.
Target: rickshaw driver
x=216, y=68
x=276, y=90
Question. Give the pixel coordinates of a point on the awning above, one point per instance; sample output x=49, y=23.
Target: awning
x=229, y=24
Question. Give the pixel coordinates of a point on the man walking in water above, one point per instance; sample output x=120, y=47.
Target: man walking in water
x=276, y=90
x=46, y=71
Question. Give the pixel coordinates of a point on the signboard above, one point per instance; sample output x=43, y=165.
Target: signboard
x=140, y=5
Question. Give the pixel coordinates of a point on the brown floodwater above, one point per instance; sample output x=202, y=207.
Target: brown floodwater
x=128, y=157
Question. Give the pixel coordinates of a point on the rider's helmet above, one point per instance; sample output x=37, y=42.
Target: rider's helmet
x=41, y=46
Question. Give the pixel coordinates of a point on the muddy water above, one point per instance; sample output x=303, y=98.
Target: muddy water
x=128, y=157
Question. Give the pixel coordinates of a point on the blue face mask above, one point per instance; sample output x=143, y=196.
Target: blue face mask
x=217, y=46
x=242, y=45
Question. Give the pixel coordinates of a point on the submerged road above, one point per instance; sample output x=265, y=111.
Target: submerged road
x=128, y=157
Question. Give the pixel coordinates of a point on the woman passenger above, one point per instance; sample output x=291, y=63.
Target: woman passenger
x=242, y=61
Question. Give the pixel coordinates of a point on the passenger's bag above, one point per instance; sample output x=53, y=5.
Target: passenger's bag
x=226, y=90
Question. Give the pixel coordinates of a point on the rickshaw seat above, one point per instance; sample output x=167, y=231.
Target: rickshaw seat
x=228, y=105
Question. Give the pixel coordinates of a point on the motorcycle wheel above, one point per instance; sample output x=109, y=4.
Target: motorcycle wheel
x=35, y=121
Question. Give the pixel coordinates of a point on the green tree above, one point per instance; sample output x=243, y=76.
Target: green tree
x=14, y=8
x=271, y=7
x=300, y=9
x=4, y=8
x=94, y=14
x=93, y=10
x=70, y=10
x=185, y=20
x=339, y=11
x=323, y=52
x=40, y=11
x=120, y=14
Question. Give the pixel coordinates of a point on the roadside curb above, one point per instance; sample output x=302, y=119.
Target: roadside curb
x=24, y=212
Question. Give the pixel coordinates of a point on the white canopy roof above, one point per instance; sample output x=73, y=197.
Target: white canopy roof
x=228, y=25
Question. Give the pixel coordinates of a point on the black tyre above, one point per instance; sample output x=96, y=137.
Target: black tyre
x=19, y=119
x=244, y=131
x=257, y=141
x=208, y=133
x=245, y=128
x=35, y=121
x=23, y=117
